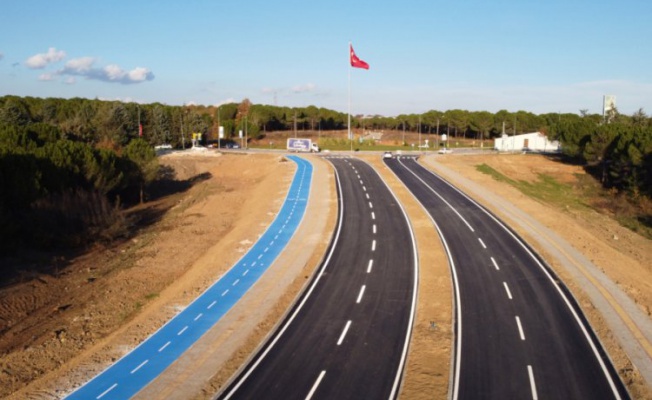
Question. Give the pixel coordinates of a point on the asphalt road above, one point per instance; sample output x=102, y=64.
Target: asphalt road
x=347, y=337
x=519, y=334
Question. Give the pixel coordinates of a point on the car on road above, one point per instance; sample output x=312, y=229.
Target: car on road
x=388, y=154
x=445, y=151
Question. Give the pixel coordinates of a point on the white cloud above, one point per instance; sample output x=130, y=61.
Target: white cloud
x=84, y=66
x=79, y=65
x=69, y=80
x=46, y=77
x=41, y=60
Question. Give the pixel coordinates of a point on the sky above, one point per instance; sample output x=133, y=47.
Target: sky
x=538, y=56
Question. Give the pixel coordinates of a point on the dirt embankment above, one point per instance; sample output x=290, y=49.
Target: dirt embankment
x=59, y=329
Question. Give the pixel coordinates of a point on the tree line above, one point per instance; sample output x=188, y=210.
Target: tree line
x=57, y=153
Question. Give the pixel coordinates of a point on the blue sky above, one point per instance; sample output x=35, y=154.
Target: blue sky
x=532, y=55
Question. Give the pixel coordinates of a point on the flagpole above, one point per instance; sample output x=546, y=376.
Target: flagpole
x=349, y=119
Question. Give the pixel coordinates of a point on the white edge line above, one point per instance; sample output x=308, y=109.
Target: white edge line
x=287, y=197
x=547, y=273
x=457, y=312
x=280, y=333
x=415, y=293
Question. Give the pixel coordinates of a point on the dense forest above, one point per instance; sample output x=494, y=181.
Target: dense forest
x=67, y=166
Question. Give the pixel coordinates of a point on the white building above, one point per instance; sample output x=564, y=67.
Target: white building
x=534, y=141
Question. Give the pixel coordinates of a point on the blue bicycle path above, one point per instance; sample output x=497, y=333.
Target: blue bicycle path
x=143, y=364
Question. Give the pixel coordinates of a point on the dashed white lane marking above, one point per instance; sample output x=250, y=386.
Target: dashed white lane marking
x=371, y=205
x=374, y=228
x=235, y=282
x=373, y=215
x=182, y=330
x=495, y=264
x=520, y=328
x=482, y=243
x=211, y=305
x=271, y=243
x=509, y=294
x=373, y=245
x=253, y=264
x=139, y=366
x=225, y=292
x=246, y=272
x=360, y=294
x=371, y=263
x=164, y=346
x=361, y=182
x=367, y=194
x=275, y=237
x=107, y=391
x=315, y=385
x=346, y=329
x=260, y=256
x=266, y=250
x=533, y=385
x=364, y=188
x=198, y=316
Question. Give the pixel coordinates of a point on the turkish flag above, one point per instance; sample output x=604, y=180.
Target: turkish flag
x=355, y=61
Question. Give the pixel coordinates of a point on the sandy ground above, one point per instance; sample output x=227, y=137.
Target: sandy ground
x=59, y=329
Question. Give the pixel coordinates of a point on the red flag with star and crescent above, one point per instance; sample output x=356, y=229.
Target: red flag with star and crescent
x=355, y=61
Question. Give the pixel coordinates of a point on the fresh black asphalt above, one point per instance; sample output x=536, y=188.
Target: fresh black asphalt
x=346, y=338
x=519, y=333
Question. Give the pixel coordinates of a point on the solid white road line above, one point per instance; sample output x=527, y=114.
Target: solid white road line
x=164, y=346
x=509, y=294
x=373, y=245
x=482, y=243
x=520, y=328
x=346, y=329
x=371, y=263
x=533, y=385
x=495, y=264
x=360, y=294
x=107, y=391
x=315, y=385
x=139, y=366
x=182, y=330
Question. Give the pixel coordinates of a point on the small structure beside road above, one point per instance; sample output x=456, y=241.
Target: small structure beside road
x=534, y=141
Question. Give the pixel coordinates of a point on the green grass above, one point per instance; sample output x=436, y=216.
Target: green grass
x=547, y=189
x=586, y=194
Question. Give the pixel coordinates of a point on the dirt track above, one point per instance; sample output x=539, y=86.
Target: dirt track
x=59, y=329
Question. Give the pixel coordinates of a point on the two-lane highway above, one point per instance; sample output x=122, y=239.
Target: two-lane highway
x=347, y=337
x=519, y=333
